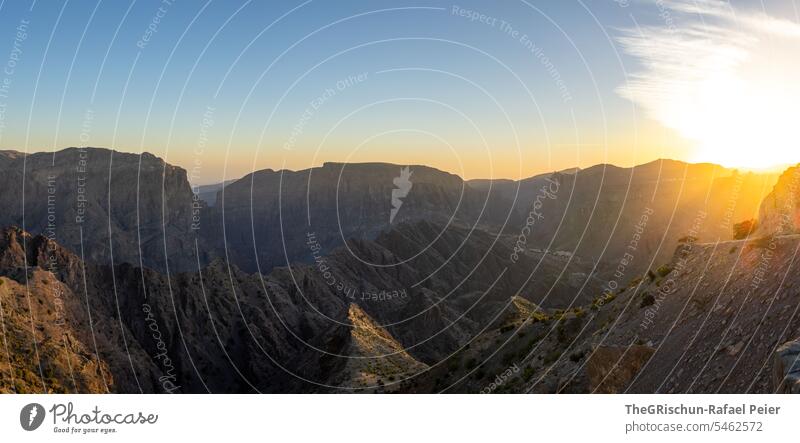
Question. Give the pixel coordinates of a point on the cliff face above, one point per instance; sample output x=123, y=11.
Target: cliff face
x=62, y=335
x=103, y=204
x=138, y=209
x=264, y=217
x=780, y=211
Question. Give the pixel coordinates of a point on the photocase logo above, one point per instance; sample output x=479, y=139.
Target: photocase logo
x=403, y=186
x=31, y=416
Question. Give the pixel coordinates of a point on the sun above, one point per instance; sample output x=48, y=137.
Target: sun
x=725, y=80
x=742, y=123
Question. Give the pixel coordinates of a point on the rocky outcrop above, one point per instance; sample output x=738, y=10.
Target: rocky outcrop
x=786, y=368
x=374, y=358
x=111, y=207
x=780, y=211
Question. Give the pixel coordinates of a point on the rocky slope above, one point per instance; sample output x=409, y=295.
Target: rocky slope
x=716, y=317
x=363, y=318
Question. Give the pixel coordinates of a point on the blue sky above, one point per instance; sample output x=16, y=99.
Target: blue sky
x=529, y=87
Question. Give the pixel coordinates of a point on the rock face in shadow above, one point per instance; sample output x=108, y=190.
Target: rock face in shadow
x=105, y=204
x=786, y=368
x=264, y=217
x=140, y=210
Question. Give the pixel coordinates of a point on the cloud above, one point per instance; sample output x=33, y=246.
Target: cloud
x=722, y=77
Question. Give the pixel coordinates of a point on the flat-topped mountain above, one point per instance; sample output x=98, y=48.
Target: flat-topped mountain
x=267, y=215
x=101, y=203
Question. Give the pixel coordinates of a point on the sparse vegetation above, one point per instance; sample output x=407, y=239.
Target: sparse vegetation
x=552, y=356
x=664, y=270
x=577, y=356
x=527, y=374
x=506, y=328
x=647, y=300
x=537, y=316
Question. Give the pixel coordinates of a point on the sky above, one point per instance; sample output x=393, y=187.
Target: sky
x=483, y=89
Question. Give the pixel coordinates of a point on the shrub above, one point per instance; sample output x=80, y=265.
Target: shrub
x=647, y=300
x=528, y=373
x=506, y=328
x=552, y=356
x=743, y=230
x=576, y=357
x=539, y=316
x=664, y=270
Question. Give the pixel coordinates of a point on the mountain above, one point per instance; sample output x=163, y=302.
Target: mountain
x=384, y=278
x=604, y=212
x=208, y=193
x=717, y=316
x=140, y=210
x=106, y=205
x=262, y=220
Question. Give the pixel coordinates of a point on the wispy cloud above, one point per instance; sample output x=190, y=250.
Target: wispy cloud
x=723, y=77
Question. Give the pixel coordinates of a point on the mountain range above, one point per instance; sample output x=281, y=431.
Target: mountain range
x=116, y=277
